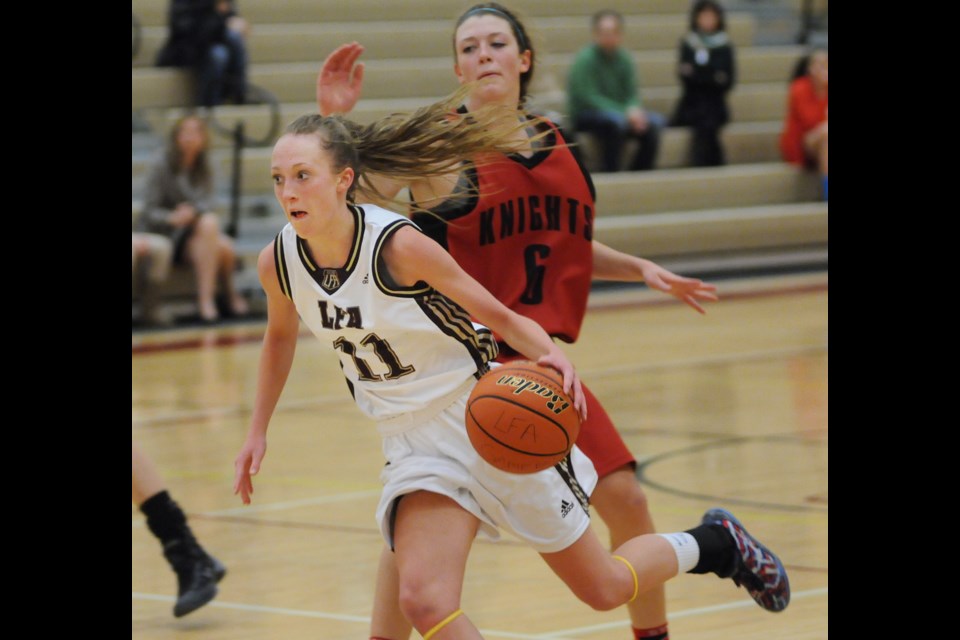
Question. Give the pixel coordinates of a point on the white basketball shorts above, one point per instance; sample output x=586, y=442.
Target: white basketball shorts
x=429, y=450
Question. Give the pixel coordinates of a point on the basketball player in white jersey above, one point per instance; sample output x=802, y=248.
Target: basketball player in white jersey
x=396, y=307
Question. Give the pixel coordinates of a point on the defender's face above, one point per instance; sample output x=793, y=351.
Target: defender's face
x=487, y=51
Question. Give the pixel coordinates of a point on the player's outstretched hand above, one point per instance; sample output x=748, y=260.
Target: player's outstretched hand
x=689, y=290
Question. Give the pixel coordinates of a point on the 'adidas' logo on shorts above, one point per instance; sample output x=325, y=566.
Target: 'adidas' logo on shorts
x=565, y=508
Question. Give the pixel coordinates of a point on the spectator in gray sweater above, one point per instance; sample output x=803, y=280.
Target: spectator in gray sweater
x=179, y=203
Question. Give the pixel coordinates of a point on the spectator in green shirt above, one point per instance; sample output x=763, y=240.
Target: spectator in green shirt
x=603, y=97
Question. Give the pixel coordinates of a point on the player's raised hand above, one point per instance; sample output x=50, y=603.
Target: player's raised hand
x=340, y=80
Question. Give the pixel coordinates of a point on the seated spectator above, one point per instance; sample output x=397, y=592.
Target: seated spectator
x=804, y=137
x=707, y=73
x=209, y=37
x=603, y=97
x=179, y=204
x=152, y=253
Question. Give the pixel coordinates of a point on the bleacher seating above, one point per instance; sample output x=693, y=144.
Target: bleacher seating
x=756, y=205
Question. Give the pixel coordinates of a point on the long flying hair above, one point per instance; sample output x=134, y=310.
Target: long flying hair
x=433, y=141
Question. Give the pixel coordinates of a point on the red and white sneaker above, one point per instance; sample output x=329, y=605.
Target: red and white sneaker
x=758, y=569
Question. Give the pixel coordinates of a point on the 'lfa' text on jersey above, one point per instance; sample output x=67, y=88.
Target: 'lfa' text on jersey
x=350, y=314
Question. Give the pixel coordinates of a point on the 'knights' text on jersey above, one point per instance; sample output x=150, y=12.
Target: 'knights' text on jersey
x=526, y=236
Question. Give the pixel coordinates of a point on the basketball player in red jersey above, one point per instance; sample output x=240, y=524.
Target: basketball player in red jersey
x=531, y=213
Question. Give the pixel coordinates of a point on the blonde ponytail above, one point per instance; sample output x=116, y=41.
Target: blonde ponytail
x=433, y=141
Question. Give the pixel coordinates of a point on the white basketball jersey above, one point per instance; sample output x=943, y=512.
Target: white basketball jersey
x=399, y=347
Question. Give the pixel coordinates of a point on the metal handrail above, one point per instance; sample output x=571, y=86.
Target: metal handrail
x=255, y=95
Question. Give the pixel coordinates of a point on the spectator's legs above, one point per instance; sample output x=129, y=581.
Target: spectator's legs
x=160, y=250
x=236, y=69
x=157, y=250
x=822, y=155
x=203, y=250
x=609, y=128
x=210, y=75
x=707, y=149
x=823, y=164
x=815, y=145
x=227, y=257
x=646, y=155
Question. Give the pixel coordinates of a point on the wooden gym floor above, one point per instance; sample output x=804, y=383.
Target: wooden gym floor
x=727, y=409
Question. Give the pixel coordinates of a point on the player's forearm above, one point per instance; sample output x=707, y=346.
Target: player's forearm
x=610, y=264
x=276, y=360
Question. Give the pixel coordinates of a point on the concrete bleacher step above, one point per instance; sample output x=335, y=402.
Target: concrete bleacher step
x=664, y=190
x=627, y=193
x=741, y=263
x=753, y=102
x=740, y=228
x=659, y=190
x=758, y=102
x=416, y=77
x=154, y=13
x=744, y=143
x=659, y=68
x=702, y=231
x=385, y=39
x=763, y=237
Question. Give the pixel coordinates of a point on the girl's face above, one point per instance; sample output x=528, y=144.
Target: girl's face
x=192, y=136
x=487, y=51
x=707, y=21
x=305, y=183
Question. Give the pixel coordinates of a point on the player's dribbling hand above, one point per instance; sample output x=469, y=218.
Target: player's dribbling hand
x=247, y=464
x=340, y=80
x=571, y=381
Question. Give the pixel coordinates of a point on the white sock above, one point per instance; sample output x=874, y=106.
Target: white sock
x=686, y=548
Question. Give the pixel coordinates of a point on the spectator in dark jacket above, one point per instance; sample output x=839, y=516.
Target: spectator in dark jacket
x=707, y=71
x=209, y=37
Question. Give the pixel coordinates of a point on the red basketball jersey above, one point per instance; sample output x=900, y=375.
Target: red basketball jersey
x=525, y=234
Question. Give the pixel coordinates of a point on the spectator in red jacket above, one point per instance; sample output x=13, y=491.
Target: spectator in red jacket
x=804, y=137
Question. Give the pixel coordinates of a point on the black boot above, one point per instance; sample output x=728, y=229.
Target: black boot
x=197, y=574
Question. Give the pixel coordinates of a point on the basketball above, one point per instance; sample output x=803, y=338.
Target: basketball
x=519, y=419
